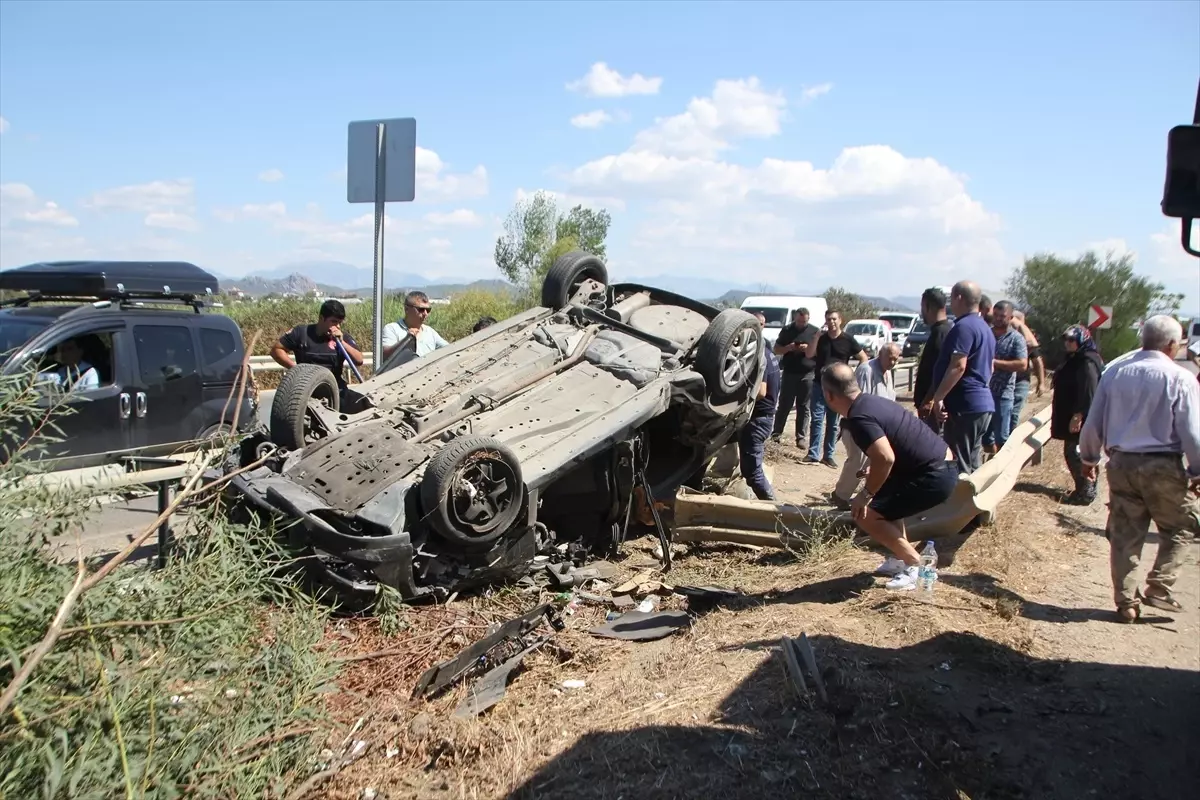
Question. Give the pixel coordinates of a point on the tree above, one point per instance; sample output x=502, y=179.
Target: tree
x=536, y=233
x=848, y=304
x=1056, y=293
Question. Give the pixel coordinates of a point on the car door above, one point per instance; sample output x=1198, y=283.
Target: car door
x=167, y=389
x=90, y=427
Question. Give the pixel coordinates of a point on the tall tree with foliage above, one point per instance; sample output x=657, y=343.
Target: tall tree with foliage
x=848, y=304
x=536, y=233
x=1056, y=292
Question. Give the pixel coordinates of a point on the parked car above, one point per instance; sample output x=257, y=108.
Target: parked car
x=902, y=323
x=164, y=368
x=917, y=338
x=778, y=308
x=872, y=334
x=532, y=436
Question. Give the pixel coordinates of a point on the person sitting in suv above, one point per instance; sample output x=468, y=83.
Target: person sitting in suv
x=72, y=373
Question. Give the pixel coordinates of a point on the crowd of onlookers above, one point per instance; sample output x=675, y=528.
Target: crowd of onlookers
x=972, y=381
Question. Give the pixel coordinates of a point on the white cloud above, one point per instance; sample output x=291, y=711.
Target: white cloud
x=145, y=198
x=1116, y=247
x=874, y=219
x=270, y=175
x=603, y=81
x=567, y=200
x=4, y=126
x=459, y=218
x=19, y=203
x=171, y=220
x=811, y=93
x=736, y=109
x=1173, y=267
x=33, y=229
x=436, y=183
x=591, y=119
x=259, y=211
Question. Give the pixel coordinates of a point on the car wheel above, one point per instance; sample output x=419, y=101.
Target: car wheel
x=291, y=427
x=215, y=432
x=472, y=490
x=566, y=274
x=728, y=353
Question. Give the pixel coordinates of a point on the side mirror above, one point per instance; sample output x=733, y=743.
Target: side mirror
x=1181, y=190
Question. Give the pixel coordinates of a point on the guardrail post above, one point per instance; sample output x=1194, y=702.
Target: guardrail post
x=164, y=529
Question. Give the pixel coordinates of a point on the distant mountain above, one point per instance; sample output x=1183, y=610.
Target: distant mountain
x=339, y=273
x=447, y=289
x=332, y=278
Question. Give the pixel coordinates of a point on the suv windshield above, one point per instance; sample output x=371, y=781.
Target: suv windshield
x=862, y=329
x=16, y=332
x=776, y=317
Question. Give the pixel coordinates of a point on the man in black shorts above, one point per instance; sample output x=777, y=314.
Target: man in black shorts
x=910, y=469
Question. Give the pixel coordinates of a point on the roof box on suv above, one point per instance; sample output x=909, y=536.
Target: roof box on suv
x=111, y=279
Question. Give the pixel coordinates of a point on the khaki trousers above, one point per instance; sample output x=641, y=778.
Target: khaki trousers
x=1144, y=487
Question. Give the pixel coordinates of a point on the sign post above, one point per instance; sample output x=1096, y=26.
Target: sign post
x=381, y=168
x=1099, y=317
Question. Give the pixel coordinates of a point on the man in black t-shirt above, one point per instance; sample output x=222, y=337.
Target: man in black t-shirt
x=910, y=469
x=796, y=346
x=317, y=343
x=933, y=314
x=834, y=346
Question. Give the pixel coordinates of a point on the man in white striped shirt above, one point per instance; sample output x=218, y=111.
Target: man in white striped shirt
x=1146, y=418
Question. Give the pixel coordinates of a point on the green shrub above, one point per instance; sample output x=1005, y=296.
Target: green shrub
x=270, y=319
x=203, y=678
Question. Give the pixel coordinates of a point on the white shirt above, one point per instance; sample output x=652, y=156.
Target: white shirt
x=79, y=379
x=1146, y=404
x=872, y=379
x=428, y=339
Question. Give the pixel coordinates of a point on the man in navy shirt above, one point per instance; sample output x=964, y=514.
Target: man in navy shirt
x=909, y=468
x=962, y=375
x=752, y=441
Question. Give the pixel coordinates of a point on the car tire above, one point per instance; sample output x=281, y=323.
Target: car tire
x=725, y=357
x=566, y=273
x=289, y=408
x=215, y=432
x=442, y=496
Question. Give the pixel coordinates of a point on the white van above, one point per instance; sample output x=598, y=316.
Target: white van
x=778, y=308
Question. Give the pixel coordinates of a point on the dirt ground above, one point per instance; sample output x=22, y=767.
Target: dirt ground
x=1014, y=682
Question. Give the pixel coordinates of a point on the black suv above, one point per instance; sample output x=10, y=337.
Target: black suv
x=151, y=371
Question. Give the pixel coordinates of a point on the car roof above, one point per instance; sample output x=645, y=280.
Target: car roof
x=111, y=279
x=51, y=312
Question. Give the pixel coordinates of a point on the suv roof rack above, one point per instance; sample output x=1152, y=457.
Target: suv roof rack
x=126, y=282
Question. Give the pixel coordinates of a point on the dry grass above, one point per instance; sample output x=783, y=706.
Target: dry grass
x=708, y=712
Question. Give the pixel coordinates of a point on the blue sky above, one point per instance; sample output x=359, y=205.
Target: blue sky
x=883, y=147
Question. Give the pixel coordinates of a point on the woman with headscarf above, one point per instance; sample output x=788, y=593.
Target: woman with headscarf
x=1075, y=383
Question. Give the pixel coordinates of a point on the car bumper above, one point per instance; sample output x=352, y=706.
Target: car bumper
x=385, y=556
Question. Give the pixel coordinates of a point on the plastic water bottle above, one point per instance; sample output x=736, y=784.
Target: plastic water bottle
x=927, y=571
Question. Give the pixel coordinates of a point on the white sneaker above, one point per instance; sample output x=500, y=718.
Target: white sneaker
x=906, y=581
x=891, y=567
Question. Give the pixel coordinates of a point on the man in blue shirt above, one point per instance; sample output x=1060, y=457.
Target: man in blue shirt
x=752, y=441
x=962, y=376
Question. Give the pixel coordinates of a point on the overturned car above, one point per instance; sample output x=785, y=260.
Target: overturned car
x=536, y=435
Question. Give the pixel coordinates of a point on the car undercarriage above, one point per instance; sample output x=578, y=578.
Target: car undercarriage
x=537, y=436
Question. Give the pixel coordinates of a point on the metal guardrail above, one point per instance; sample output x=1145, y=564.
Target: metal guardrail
x=268, y=364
